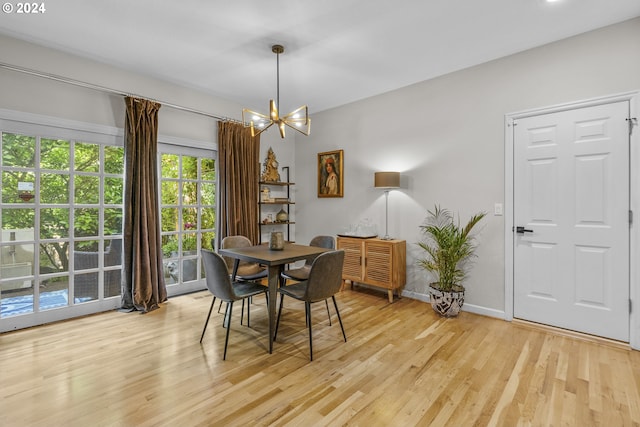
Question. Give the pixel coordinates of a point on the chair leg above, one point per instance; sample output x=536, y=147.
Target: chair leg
x=226, y=340
x=335, y=304
x=307, y=308
x=220, y=306
x=242, y=312
x=328, y=313
x=227, y=318
x=207, y=321
x=275, y=333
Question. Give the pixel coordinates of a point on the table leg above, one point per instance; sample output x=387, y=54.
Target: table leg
x=274, y=278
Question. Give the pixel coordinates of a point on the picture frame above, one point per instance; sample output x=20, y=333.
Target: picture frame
x=331, y=174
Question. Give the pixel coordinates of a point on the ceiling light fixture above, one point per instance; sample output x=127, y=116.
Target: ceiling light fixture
x=297, y=119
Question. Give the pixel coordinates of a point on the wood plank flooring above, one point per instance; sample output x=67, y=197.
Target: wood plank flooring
x=401, y=366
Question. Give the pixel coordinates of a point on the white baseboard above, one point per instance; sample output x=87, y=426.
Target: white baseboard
x=471, y=308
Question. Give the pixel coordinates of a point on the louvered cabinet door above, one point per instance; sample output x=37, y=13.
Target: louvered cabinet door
x=353, y=250
x=377, y=262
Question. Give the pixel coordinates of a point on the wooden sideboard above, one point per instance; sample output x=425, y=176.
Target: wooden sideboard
x=374, y=261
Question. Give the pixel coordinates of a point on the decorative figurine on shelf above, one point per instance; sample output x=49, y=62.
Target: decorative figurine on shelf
x=282, y=216
x=270, y=173
x=265, y=195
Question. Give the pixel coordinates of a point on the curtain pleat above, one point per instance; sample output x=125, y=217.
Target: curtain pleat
x=239, y=166
x=143, y=288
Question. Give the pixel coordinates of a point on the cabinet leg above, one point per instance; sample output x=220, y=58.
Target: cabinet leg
x=390, y=293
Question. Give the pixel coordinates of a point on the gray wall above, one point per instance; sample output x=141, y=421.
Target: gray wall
x=446, y=136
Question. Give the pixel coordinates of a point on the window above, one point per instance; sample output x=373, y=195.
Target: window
x=61, y=211
x=188, y=211
x=61, y=217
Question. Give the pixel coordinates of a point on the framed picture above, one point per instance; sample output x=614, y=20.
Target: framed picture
x=331, y=174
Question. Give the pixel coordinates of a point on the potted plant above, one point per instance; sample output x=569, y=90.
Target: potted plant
x=448, y=248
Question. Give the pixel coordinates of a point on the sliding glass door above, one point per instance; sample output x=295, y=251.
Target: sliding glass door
x=61, y=221
x=188, y=212
x=61, y=218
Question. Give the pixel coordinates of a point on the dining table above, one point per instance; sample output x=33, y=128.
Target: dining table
x=275, y=260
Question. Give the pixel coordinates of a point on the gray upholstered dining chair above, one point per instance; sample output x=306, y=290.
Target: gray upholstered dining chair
x=246, y=270
x=325, y=279
x=302, y=273
x=220, y=285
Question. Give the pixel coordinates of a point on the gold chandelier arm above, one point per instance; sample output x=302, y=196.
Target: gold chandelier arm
x=256, y=129
x=299, y=120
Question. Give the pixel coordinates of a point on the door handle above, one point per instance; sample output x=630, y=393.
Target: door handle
x=522, y=230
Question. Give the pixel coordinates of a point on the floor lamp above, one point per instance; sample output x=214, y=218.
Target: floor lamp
x=386, y=181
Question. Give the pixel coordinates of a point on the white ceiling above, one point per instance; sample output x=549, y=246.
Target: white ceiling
x=336, y=51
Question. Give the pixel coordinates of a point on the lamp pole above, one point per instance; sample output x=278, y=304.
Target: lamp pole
x=386, y=181
x=386, y=215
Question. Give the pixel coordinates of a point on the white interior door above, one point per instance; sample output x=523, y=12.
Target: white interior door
x=571, y=200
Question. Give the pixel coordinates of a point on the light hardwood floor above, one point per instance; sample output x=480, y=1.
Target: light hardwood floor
x=401, y=366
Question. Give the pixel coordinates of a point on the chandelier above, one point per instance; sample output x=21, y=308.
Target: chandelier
x=297, y=119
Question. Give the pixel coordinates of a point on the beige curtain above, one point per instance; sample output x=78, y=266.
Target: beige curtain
x=144, y=288
x=239, y=167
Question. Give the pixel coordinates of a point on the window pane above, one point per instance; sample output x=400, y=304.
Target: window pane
x=207, y=219
x=16, y=220
x=189, y=242
x=86, y=222
x=189, y=218
x=54, y=257
x=113, y=253
x=54, y=154
x=54, y=223
x=189, y=167
x=169, y=219
x=87, y=189
x=208, y=169
x=113, y=191
x=18, y=150
x=12, y=181
x=114, y=160
x=112, y=221
x=54, y=188
x=170, y=246
x=11, y=254
x=85, y=255
x=208, y=194
x=16, y=260
x=85, y=286
x=112, y=283
x=207, y=240
x=169, y=166
x=87, y=157
x=189, y=270
x=189, y=193
x=169, y=192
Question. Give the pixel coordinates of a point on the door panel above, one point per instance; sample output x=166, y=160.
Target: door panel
x=571, y=189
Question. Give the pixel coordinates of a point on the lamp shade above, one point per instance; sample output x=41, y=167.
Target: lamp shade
x=387, y=180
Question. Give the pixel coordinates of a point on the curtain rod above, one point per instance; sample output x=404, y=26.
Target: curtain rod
x=108, y=90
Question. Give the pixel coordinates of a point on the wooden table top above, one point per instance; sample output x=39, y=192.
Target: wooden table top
x=261, y=253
